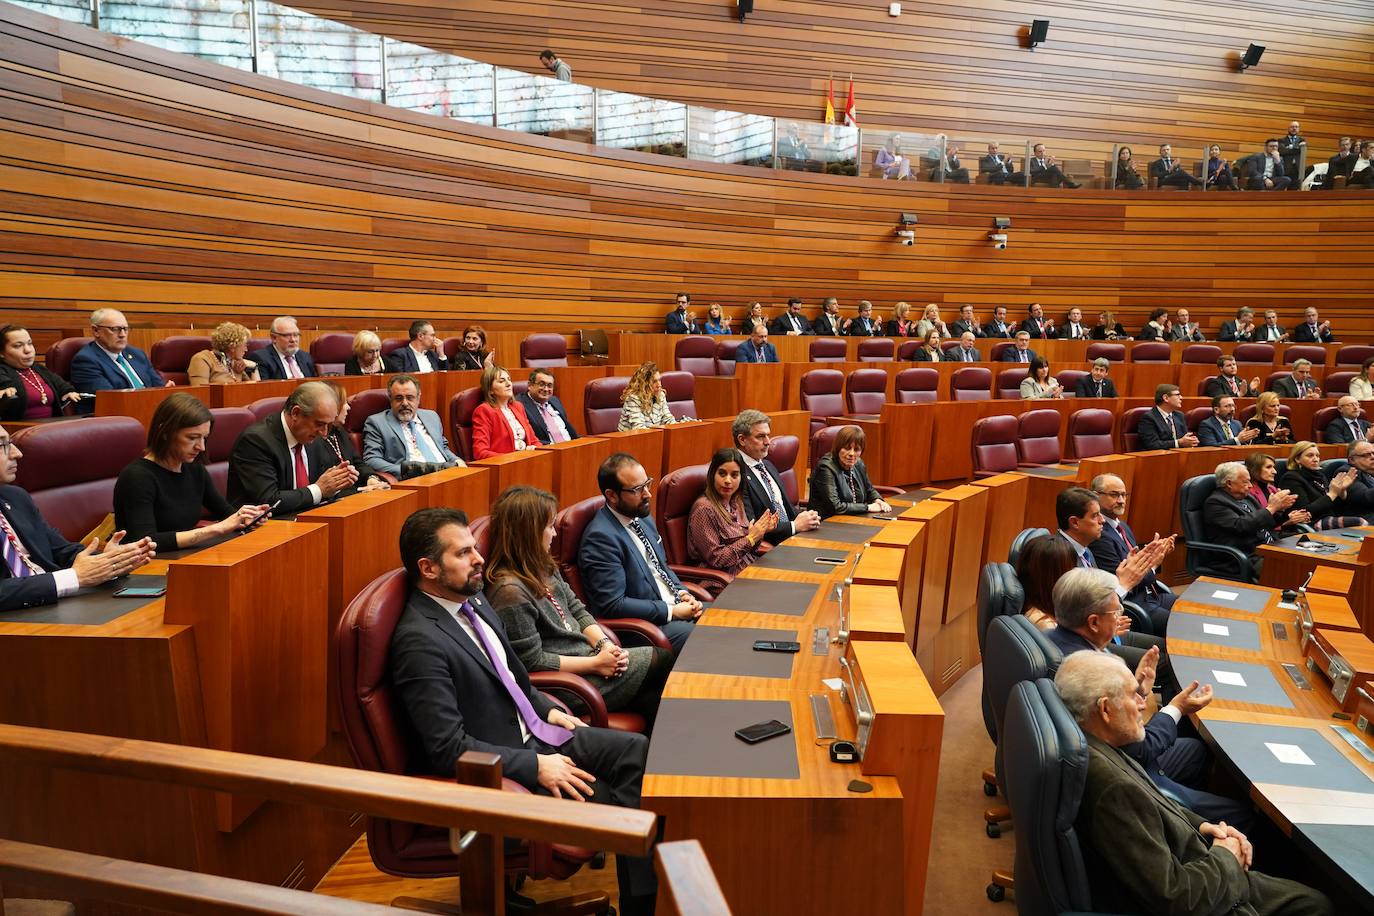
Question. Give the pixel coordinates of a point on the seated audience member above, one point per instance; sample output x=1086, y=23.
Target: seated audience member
x=1222, y=427
x=1361, y=388
x=966, y=352
x=1263, y=473
x=753, y=315
x=545, y=412
x=930, y=319
x=792, y=149
x=1362, y=172
x=679, y=320
x=999, y=326
x=624, y=569
x=999, y=168
x=224, y=362
x=1168, y=172
x=284, y=358
x=166, y=493
x=1164, y=426
x=1044, y=169
x=1322, y=497
x=1038, y=567
x=548, y=626
x=473, y=354
x=947, y=166
x=464, y=689
x=1271, y=331
x=1021, y=353
x=1349, y=426
x=752, y=432
x=791, y=323
x=717, y=322
x=1158, y=327
x=1096, y=384
x=1219, y=173
x=1073, y=327
x=1273, y=426
x=840, y=484
x=341, y=443
x=1313, y=329
x=1266, y=172
x=1118, y=541
x=1232, y=516
x=1341, y=164
x=1242, y=328
x=282, y=460
x=499, y=424
x=1108, y=328
x=1229, y=383
x=864, y=324
x=109, y=362
x=756, y=349
x=406, y=440
x=890, y=159
x=829, y=323
x=643, y=402
x=1299, y=384
x=720, y=535
x=1143, y=852
x=367, y=355
x=901, y=324
x=929, y=351
x=424, y=353
x=1360, y=496
x=1036, y=324
x=40, y=565
x=1127, y=178
x=1039, y=383
x=1184, y=329
x=29, y=391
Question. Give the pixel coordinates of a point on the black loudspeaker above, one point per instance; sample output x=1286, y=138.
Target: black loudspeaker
x=1252, y=56
x=1039, y=29
x=745, y=8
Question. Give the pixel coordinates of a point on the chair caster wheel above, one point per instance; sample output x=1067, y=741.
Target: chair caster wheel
x=597, y=862
x=994, y=831
x=997, y=893
x=989, y=790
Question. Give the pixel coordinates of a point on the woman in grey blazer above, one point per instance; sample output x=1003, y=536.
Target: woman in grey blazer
x=840, y=484
x=1039, y=383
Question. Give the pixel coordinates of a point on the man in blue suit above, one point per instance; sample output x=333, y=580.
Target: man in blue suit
x=405, y=434
x=424, y=353
x=1222, y=427
x=1021, y=353
x=545, y=412
x=1164, y=427
x=624, y=570
x=1117, y=542
x=108, y=362
x=757, y=349
x=284, y=358
x=1349, y=426
x=679, y=320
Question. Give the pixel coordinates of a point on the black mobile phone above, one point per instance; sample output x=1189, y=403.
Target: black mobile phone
x=776, y=645
x=140, y=591
x=886, y=518
x=762, y=731
x=831, y=561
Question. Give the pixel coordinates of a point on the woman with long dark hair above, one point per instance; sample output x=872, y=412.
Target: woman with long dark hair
x=720, y=535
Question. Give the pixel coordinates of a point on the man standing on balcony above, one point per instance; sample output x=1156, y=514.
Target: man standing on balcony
x=560, y=70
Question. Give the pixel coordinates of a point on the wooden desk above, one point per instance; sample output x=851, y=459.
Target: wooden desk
x=646, y=445
x=1006, y=513
x=1286, y=567
x=966, y=550
x=760, y=385
x=245, y=393
x=575, y=464
x=530, y=468
x=460, y=488
x=686, y=444
x=141, y=403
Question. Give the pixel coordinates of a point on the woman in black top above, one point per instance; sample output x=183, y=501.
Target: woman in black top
x=929, y=351
x=28, y=391
x=1157, y=328
x=1323, y=498
x=1127, y=178
x=1107, y=328
x=840, y=484
x=166, y=493
x=473, y=354
x=1273, y=426
x=367, y=355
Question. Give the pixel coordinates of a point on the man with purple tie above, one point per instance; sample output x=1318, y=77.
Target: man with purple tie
x=1117, y=543
x=1313, y=329
x=284, y=359
x=757, y=349
x=544, y=410
x=1349, y=426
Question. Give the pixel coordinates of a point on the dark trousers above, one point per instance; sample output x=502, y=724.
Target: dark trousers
x=1051, y=176
x=1281, y=183
x=677, y=632
x=1179, y=179
x=1007, y=178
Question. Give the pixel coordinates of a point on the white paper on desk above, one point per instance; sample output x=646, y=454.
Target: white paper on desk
x=1288, y=605
x=1225, y=595
x=1216, y=629
x=1228, y=677
x=833, y=683
x=1289, y=753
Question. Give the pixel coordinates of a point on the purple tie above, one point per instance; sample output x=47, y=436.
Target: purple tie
x=15, y=557
x=552, y=735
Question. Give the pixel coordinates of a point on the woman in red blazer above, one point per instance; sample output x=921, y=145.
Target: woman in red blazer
x=499, y=424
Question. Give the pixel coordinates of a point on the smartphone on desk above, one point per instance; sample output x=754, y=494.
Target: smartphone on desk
x=762, y=731
x=140, y=591
x=776, y=645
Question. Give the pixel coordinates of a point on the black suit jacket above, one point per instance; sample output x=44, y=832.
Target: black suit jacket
x=1218, y=386
x=1227, y=522
x=270, y=365
x=1037, y=330
x=1338, y=430
x=1009, y=355
x=783, y=324
x=959, y=326
x=756, y=502
x=1108, y=553
x=823, y=326
x=1340, y=165
x=1287, y=387
x=536, y=417
x=1154, y=432
x=1303, y=333
x=864, y=327
x=403, y=360
x=675, y=322
x=1158, y=172
x=1007, y=331
x=46, y=546
x=995, y=165
x=261, y=469
x=1228, y=332
x=1360, y=497
x=1086, y=387
x=13, y=408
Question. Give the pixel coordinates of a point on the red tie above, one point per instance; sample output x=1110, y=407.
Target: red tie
x=302, y=475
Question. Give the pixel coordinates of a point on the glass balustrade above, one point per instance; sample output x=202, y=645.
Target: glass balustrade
x=439, y=84
x=213, y=30
x=626, y=121
x=318, y=53
x=543, y=105
x=729, y=137
x=69, y=10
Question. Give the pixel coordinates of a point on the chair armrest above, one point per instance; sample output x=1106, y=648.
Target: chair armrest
x=889, y=491
x=1240, y=560
x=1140, y=621
x=698, y=592
x=701, y=574
x=554, y=682
x=387, y=476
x=646, y=631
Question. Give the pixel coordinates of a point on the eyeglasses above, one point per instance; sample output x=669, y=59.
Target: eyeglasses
x=285, y=333
x=541, y=384
x=642, y=488
x=5, y=445
x=114, y=328
x=1117, y=494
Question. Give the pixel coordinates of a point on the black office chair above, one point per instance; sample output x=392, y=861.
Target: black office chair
x=1204, y=558
x=1333, y=466
x=999, y=594
x=1026, y=534
x=1045, y=789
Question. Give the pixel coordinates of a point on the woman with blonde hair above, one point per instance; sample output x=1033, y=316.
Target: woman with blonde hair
x=367, y=355
x=931, y=319
x=1273, y=426
x=1322, y=497
x=224, y=363
x=901, y=325
x=644, y=405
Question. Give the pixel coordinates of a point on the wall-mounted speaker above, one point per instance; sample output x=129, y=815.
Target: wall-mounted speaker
x=1252, y=57
x=1039, y=29
x=745, y=7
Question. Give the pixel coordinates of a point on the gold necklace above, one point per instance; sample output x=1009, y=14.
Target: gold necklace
x=36, y=382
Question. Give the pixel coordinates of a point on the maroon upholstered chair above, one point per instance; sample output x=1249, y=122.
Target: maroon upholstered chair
x=865, y=391
x=677, y=493
x=695, y=354
x=1111, y=351
x=1253, y=353
x=681, y=391
x=827, y=350
x=1337, y=383
x=1068, y=380
x=1202, y=386
x=70, y=468
x=907, y=349
x=1009, y=382
x=995, y=354
x=460, y=408
x=1150, y=351
x=945, y=345
x=1130, y=423
x=821, y=393
x=171, y=355
x=227, y=424
x=876, y=350
x=1349, y=355
x=59, y=355
x=330, y=352
x=994, y=445
x=822, y=441
x=782, y=452
x=1195, y=417
x=1201, y=354
x=1321, y=419
x=601, y=403
x=1090, y=433
x=725, y=356
x=361, y=406
x=917, y=386
x=392, y=344
x=1314, y=354
x=1284, y=411
x=971, y=383
x=1037, y=439
x=257, y=343
x=265, y=407
x=1274, y=377
x=543, y=351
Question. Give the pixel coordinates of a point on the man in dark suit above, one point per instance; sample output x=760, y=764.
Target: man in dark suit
x=1232, y=517
x=624, y=569
x=998, y=168
x=1313, y=329
x=424, y=353
x=999, y=326
x=1242, y=329
x=1164, y=426
x=1096, y=384
x=1036, y=324
x=108, y=362
x=545, y=412
x=38, y=565
x=966, y=321
x=465, y=689
x=1341, y=164
x=1117, y=542
x=1021, y=353
x=284, y=358
x=1222, y=427
x=828, y=323
x=752, y=433
x=945, y=166
x=1271, y=331
x=864, y=324
x=406, y=440
x=1298, y=384
x=1291, y=146
x=1228, y=382
x=679, y=321
x=1267, y=172
x=283, y=460
x=1144, y=852
x=966, y=352
x=791, y=323
x=1349, y=426
x=1359, y=498
x=1073, y=327
x=1184, y=329
x=1166, y=171
x=757, y=349
x=1045, y=170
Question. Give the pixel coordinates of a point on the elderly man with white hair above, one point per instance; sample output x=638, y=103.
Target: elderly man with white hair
x=1233, y=517
x=1144, y=852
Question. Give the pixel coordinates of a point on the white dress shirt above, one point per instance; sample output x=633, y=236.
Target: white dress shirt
x=664, y=592
x=455, y=610
x=316, y=494
x=422, y=363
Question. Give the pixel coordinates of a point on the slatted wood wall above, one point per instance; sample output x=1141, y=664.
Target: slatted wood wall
x=183, y=192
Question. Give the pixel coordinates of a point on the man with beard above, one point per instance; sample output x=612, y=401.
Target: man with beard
x=405, y=434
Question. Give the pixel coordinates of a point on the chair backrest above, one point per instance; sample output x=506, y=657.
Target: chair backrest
x=601, y=403
x=1202, y=385
x=827, y=350
x=1015, y=651
x=695, y=354
x=258, y=343
x=908, y=349
x=1068, y=381
x=1130, y=423
x=265, y=407
x=1038, y=438
x=1274, y=377
x=995, y=354
x=1191, y=496
x=725, y=356
x=1023, y=537
x=822, y=441
x=1203, y=354
x=1150, y=351
x=228, y=424
x=783, y=451
x=918, y=386
x=994, y=445
x=971, y=383
x=1337, y=383
x=1314, y=354
x=1090, y=433
x=822, y=394
x=1333, y=466
x=680, y=388
x=330, y=352
x=481, y=533
x=999, y=593
x=1009, y=382
x=1113, y=351
x=568, y=528
x=543, y=351
x=460, y=409
x=1253, y=353
x=59, y=355
x=1321, y=419
x=865, y=391
x=171, y=355
x=677, y=492
x=361, y=406
x=1349, y=355
x=593, y=342
x=70, y=468
x=1044, y=791
x=1195, y=416
x=876, y=350
x=392, y=344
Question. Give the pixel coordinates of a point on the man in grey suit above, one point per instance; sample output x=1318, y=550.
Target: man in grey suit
x=966, y=352
x=405, y=436
x=1298, y=385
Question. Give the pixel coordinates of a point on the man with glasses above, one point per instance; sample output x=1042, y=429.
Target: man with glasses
x=1118, y=542
x=1299, y=384
x=424, y=353
x=624, y=569
x=752, y=432
x=1360, y=497
x=1349, y=426
x=1163, y=427
x=545, y=411
x=108, y=362
x=406, y=441
x=284, y=358
x=1222, y=427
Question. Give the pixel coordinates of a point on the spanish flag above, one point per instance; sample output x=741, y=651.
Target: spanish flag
x=830, y=103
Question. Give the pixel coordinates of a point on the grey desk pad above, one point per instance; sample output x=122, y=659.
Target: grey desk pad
x=843, y=533
x=766, y=596
x=800, y=559
x=1244, y=634
x=697, y=738
x=1048, y=472
x=1260, y=684
x=729, y=650
x=90, y=607
x=1343, y=547
x=1347, y=846
x=1251, y=600
x=913, y=496
x=1244, y=743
